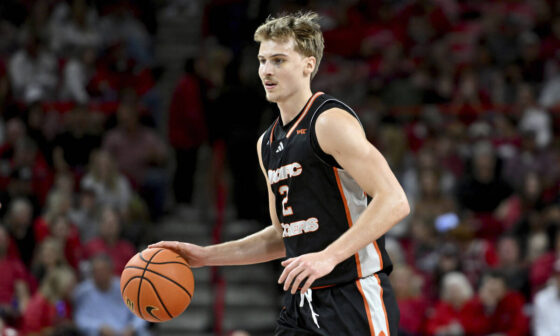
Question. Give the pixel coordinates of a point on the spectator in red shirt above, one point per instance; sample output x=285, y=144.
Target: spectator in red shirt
x=65, y=232
x=49, y=308
x=542, y=267
x=450, y=312
x=55, y=223
x=496, y=309
x=411, y=302
x=50, y=256
x=58, y=204
x=109, y=241
x=187, y=131
x=14, y=290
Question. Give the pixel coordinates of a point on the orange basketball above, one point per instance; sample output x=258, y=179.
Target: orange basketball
x=157, y=284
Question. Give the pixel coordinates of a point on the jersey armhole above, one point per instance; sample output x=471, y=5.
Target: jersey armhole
x=327, y=159
x=265, y=144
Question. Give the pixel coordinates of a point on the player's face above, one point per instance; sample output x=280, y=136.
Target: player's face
x=283, y=70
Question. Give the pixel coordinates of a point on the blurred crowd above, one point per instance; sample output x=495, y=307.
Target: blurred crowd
x=462, y=98
x=82, y=165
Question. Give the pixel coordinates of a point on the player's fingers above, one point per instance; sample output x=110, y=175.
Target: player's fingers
x=283, y=276
x=307, y=284
x=291, y=275
x=156, y=245
x=166, y=244
x=298, y=279
x=286, y=271
x=287, y=262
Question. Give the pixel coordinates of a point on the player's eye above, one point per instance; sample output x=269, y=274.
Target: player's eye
x=278, y=61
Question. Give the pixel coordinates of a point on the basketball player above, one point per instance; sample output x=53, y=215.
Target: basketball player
x=321, y=173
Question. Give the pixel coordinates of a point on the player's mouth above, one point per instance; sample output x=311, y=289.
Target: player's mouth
x=268, y=85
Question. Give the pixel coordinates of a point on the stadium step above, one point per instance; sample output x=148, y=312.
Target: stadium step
x=240, y=228
x=194, y=320
x=249, y=296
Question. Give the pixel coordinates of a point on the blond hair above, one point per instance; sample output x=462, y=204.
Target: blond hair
x=303, y=27
x=57, y=283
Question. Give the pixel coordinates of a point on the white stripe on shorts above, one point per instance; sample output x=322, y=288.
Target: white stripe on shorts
x=372, y=290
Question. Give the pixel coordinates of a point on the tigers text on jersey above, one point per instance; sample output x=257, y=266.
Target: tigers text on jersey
x=316, y=200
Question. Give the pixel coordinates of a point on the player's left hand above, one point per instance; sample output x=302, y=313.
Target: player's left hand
x=308, y=267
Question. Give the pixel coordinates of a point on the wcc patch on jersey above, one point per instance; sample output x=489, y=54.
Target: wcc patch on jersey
x=316, y=200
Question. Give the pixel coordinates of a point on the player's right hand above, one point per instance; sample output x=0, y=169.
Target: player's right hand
x=193, y=254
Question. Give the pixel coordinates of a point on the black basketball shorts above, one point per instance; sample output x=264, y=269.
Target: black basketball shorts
x=364, y=307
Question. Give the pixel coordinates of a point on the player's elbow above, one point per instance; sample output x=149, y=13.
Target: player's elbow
x=402, y=207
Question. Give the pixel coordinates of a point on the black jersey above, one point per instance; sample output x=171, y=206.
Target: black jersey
x=316, y=200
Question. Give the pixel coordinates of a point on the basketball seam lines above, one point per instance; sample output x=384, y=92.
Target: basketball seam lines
x=159, y=298
x=140, y=284
x=169, y=262
x=163, y=276
x=129, y=280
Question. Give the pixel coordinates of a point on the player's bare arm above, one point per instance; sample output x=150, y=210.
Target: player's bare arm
x=261, y=246
x=340, y=135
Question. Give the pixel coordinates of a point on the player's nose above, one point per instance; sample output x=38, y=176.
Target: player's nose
x=267, y=69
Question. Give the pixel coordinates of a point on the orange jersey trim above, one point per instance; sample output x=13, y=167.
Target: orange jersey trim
x=307, y=107
x=358, y=284
x=273, y=127
x=348, y=216
x=318, y=287
x=378, y=254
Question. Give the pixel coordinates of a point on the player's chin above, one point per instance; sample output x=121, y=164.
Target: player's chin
x=271, y=97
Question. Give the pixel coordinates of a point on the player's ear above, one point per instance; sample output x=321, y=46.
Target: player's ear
x=310, y=63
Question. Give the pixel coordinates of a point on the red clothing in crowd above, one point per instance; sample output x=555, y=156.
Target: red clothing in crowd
x=412, y=315
x=120, y=253
x=13, y=251
x=11, y=271
x=445, y=314
x=41, y=177
x=187, y=127
x=72, y=244
x=541, y=270
x=41, y=314
x=507, y=318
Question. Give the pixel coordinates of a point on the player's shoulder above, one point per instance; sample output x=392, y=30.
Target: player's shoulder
x=260, y=139
x=334, y=126
x=333, y=110
x=335, y=117
x=327, y=100
x=263, y=138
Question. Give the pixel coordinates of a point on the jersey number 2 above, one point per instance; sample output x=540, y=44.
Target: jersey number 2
x=286, y=210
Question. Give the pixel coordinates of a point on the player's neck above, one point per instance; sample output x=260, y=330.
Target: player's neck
x=290, y=108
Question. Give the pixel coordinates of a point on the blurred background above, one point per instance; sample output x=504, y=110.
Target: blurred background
x=128, y=122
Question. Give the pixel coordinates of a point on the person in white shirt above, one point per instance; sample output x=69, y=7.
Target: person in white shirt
x=547, y=307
